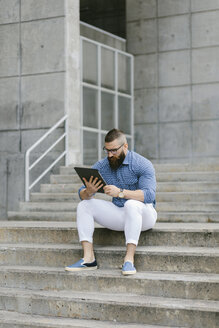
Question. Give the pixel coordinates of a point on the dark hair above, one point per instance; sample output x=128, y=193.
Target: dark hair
x=115, y=134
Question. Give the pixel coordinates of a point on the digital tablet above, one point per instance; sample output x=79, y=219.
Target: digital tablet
x=86, y=173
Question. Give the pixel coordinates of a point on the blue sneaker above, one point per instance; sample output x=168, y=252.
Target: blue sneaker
x=128, y=268
x=81, y=265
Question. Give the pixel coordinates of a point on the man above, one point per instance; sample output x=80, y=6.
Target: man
x=131, y=182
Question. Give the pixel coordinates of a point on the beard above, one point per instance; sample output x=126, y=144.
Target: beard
x=116, y=161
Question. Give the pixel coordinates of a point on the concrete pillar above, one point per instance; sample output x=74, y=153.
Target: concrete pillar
x=39, y=83
x=72, y=81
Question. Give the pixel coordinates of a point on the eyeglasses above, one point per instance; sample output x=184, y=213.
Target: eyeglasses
x=112, y=151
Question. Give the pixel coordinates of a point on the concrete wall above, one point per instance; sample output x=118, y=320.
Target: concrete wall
x=36, y=59
x=176, y=48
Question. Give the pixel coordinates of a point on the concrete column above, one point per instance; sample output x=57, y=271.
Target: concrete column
x=72, y=81
x=39, y=83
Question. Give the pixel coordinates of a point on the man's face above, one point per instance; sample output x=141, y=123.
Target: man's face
x=117, y=154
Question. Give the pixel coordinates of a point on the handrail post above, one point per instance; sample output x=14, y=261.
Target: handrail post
x=27, y=176
x=66, y=142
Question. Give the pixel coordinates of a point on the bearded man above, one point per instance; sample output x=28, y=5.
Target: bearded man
x=131, y=182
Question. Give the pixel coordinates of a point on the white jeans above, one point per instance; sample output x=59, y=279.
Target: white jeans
x=133, y=218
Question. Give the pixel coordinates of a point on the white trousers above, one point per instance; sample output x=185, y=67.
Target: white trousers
x=133, y=218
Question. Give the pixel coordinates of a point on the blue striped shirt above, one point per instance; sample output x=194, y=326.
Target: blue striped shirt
x=136, y=172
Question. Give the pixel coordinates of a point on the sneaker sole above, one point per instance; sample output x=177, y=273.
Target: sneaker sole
x=127, y=273
x=80, y=269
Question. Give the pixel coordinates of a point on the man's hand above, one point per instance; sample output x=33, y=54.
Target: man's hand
x=92, y=186
x=111, y=190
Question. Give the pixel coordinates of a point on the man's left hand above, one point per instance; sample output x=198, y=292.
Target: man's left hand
x=111, y=190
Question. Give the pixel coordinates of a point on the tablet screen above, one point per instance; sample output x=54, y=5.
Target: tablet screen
x=86, y=173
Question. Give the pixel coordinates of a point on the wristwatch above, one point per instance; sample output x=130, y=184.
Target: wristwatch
x=121, y=194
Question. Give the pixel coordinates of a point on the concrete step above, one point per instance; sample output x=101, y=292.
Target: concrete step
x=12, y=319
x=164, y=167
x=160, y=206
x=194, y=186
x=188, y=176
x=186, y=167
x=71, y=216
x=187, y=186
x=48, y=206
x=147, y=258
x=164, y=176
x=63, y=197
x=39, y=216
x=73, y=178
x=188, y=217
x=187, y=207
x=160, y=197
x=187, y=197
x=54, y=197
x=160, y=284
x=113, y=307
x=168, y=234
x=56, y=188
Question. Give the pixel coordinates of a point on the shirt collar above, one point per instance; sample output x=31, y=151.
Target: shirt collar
x=127, y=158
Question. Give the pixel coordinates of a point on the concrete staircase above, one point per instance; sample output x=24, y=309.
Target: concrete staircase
x=177, y=284
x=185, y=193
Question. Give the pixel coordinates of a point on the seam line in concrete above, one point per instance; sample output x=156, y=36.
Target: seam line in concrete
x=32, y=20
x=32, y=74
x=162, y=51
x=42, y=19
x=173, y=15
x=177, y=86
x=178, y=50
x=42, y=73
x=27, y=129
x=183, y=121
x=145, y=88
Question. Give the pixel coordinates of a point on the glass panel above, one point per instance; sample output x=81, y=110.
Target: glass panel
x=124, y=113
x=124, y=74
x=107, y=111
x=90, y=147
x=90, y=107
x=107, y=68
x=129, y=140
x=90, y=62
x=103, y=154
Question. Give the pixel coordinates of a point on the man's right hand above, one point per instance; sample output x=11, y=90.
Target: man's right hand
x=92, y=186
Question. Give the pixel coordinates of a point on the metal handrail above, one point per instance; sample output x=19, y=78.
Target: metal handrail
x=28, y=168
x=102, y=31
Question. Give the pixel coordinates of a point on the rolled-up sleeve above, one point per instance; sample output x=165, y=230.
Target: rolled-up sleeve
x=79, y=190
x=147, y=182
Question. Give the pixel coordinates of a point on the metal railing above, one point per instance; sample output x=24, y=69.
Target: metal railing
x=29, y=167
x=116, y=37
x=99, y=88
